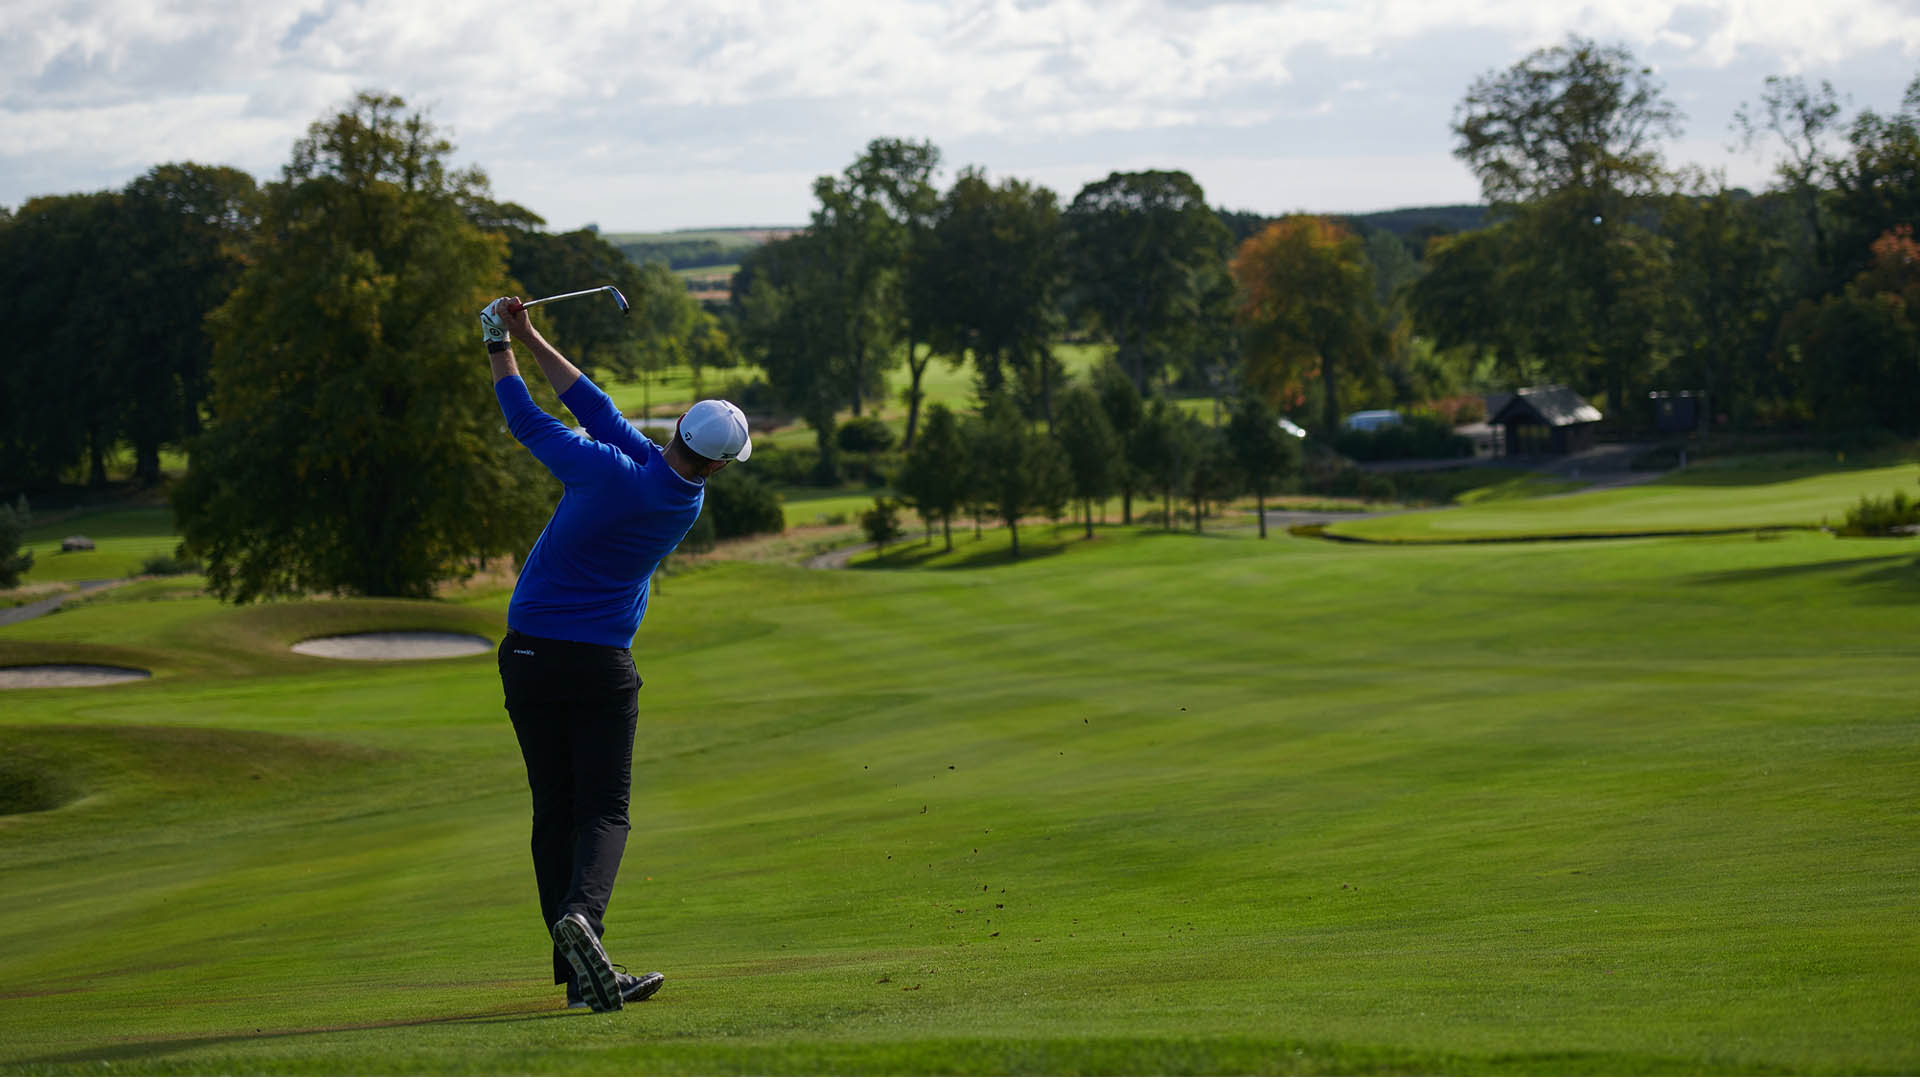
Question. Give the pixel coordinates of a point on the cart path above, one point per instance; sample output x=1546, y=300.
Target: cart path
x=9, y=616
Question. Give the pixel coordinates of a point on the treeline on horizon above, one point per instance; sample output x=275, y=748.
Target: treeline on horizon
x=309, y=341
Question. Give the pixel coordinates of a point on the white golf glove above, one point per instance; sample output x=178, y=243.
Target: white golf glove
x=491, y=328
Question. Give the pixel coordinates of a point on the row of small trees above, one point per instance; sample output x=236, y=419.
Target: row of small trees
x=1105, y=441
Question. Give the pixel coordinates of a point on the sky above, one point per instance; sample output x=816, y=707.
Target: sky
x=636, y=115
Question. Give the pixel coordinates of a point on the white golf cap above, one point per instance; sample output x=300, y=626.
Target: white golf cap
x=717, y=431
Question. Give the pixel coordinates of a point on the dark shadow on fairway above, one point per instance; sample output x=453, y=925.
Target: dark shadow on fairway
x=1774, y=573
x=155, y=1047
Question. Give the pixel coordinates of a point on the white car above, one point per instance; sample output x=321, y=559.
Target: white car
x=1371, y=420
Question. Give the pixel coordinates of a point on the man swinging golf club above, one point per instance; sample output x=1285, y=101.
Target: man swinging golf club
x=566, y=664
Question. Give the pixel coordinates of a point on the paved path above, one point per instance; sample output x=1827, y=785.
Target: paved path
x=9, y=616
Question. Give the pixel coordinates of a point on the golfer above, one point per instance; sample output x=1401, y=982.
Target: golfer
x=566, y=663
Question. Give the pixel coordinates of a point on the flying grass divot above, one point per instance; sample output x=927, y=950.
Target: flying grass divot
x=394, y=645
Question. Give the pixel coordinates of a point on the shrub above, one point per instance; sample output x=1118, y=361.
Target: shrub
x=1420, y=435
x=740, y=505
x=882, y=522
x=1895, y=515
x=864, y=435
x=169, y=565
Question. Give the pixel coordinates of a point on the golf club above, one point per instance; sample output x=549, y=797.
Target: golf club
x=608, y=289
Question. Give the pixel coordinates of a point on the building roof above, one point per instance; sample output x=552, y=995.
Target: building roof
x=1554, y=406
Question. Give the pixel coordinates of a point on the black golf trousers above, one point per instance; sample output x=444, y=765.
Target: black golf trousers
x=574, y=708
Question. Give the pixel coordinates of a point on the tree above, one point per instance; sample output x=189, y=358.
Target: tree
x=189, y=228
x=1019, y=472
x=13, y=528
x=1858, y=352
x=1120, y=401
x=65, y=259
x=867, y=247
x=1800, y=118
x=594, y=335
x=1577, y=117
x=899, y=173
x=786, y=296
x=995, y=256
x=1306, y=309
x=936, y=473
x=664, y=317
x=1265, y=454
x=1213, y=474
x=1144, y=254
x=1089, y=447
x=1876, y=183
x=1567, y=143
x=1468, y=298
x=1730, y=289
x=881, y=523
x=1162, y=453
x=354, y=448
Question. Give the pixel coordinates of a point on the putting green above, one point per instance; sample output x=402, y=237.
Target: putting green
x=1158, y=803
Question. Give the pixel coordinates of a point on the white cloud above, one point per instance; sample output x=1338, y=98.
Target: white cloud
x=753, y=88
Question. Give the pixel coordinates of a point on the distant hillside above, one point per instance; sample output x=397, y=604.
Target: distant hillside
x=686, y=249
x=1421, y=221
x=1415, y=223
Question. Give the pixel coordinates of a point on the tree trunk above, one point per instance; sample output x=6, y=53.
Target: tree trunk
x=146, y=468
x=1260, y=509
x=1198, y=514
x=1013, y=533
x=915, y=370
x=97, y=458
x=1087, y=505
x=1330, y=385
x=946, y=529
x=1126, y=504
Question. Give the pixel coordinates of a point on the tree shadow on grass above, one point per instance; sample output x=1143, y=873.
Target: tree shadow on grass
x=157, y=1047
x=1896, y=577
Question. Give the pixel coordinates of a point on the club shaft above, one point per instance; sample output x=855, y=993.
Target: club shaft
x=562, y=296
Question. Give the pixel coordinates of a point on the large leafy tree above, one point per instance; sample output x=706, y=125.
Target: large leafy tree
x=188, y=231
x=65, y=259
x=1306, y=310
x=1567, y=143
x=1145, y=257
x=354, y=446
x=787, y=294
x=1876, y=182
x=994, y=258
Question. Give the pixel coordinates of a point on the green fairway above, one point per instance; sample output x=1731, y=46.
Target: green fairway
x=1157, y=803
x=1735, y=495
x=123, y=540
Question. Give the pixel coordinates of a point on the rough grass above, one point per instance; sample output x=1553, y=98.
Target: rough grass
x=1153, y=804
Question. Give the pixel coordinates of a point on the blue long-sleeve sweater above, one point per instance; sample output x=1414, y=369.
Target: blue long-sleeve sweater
x=624, y=509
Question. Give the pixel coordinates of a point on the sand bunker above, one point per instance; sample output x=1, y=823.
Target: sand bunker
x=398, y=645
x=41, y=676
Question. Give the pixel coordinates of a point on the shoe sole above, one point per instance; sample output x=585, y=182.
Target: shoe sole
x=590, y=964
x=649, y=985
